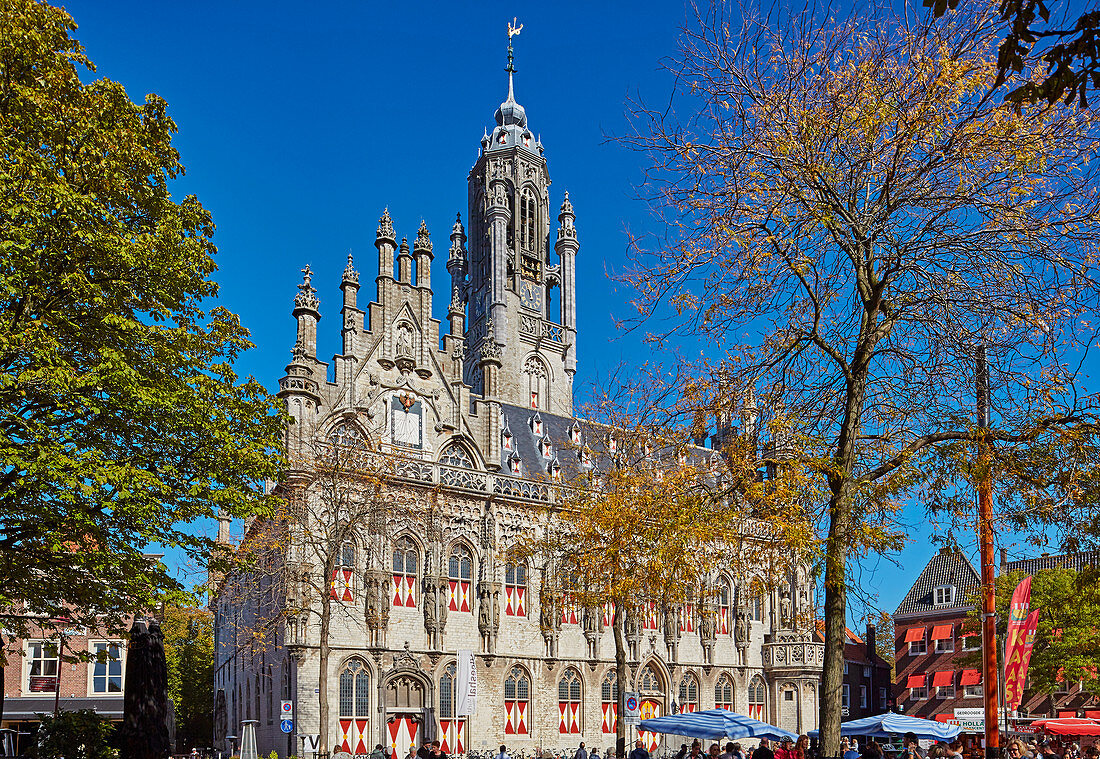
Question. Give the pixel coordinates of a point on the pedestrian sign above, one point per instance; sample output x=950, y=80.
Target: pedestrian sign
x=287, y=725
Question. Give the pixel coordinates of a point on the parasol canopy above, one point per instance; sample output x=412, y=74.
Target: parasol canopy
x=1068, y=726
x=885, y=725
x=714, y=724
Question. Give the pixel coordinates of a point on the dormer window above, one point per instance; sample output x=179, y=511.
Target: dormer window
x=683, y=458
x=513, y=464
x=612, y=445
x=575, y=434
x=943, y=595
x=659, y=474
x=555, y=470
x=506, y=440
x=545, y=448
x=585, y=458
x=536, y=424
x=534, y=399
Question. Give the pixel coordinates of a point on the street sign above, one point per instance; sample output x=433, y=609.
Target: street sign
x=287, y=709
x=287, y=725
x=632, y=713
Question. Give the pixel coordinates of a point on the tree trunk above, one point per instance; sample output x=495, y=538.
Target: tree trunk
x=322, y=677
x=836, y=601
x=620, y=680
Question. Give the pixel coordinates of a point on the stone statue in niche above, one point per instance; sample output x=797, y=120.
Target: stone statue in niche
x=741, y=628
x=785, y=616
x=404, y=341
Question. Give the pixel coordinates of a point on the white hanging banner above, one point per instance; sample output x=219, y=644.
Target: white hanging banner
x=466, y=689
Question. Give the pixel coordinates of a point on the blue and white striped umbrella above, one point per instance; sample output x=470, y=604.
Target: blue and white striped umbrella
x=714, y=724
x=886, y=725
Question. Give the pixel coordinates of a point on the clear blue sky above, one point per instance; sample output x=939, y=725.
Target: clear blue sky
x=299, y=123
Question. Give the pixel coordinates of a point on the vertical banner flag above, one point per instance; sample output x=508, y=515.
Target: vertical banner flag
x=1015, y=668
x=467, y=685
x=1030, y=628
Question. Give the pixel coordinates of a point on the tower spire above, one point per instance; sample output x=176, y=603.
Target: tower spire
x=513, y=30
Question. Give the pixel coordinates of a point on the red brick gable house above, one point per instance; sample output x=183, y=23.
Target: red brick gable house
x=928, y=641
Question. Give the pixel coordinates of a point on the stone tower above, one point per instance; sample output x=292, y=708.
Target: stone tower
x=518, y=296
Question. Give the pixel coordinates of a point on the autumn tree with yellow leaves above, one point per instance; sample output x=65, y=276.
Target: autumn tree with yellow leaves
x=850, y=211
x=647, y=523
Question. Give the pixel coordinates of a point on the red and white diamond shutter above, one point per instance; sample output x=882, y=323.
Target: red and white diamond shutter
x=569, y=615
x=460, y=571
x=689, y=694
x=452, y=729
x=517, y=700
x=650, y=616
x=723, y=692
x=609, y=704
x=515, y=589
x=406, y=559
x=569, y=703
x=758, y=699
x=343, y=573
x=355, y=707
x=723, y=626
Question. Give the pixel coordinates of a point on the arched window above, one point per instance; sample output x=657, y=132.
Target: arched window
x=724, y=595
x=723, y=692
x=687, y=612
x=452, y=729
x=517, y=700
x=651, y=685
x=528, y=220
x=609, y=703
x=455, y=455
x=343, y=573
x=758, y=698
x=406, y=558
x=689, y=694
x=354, y=707
x=515, y=589
x=538, y=382
x=347, y=435
x=569, y=703
x=650, y=681
x=460, y=572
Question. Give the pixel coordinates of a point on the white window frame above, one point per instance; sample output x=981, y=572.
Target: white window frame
x=121, y=650
x=918, y=647
x=945, y=645
x=863, y=697
x=30, y=660
x=976, y=646
x=918, y=694
x=943, y=595
x=882, y=698
x=845, y=698
x=973, y=691
x=944, y=692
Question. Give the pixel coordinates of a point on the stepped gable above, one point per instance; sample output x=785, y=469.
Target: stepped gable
x=948, y=567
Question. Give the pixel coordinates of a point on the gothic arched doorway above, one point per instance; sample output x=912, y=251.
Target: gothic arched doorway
x=405, y=701
x=651, y=693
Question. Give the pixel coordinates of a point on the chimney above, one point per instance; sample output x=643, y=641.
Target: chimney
x=1004, y=560
x=870, y=640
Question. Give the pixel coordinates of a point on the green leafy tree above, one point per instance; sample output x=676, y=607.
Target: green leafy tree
x=1067, y=642
x=122, y=420
x=189, y=650
x=80, y=734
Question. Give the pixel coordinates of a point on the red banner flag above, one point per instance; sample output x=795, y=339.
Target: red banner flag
x=1015, y=668
x=1031, y=625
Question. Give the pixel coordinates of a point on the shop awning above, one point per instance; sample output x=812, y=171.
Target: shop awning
x=948, y=718
x=970, y=677
x=942, y=632
x=915, y=681
x=943, y=677
x=914, y=634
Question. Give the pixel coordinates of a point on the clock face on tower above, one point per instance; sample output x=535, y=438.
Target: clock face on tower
x=530, y=295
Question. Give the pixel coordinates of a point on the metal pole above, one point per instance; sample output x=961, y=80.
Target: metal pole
x=985, y=542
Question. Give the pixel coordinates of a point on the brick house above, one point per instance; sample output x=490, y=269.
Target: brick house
x=868, y=683
x=40, y=675
x=930, y=682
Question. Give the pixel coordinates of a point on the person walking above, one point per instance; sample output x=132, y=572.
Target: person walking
x=639, y=751
x=581, y=753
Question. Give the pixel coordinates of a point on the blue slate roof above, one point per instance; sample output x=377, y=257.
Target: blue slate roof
x=947, y=567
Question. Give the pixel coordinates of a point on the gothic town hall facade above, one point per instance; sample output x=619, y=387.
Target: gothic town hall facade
x=481, y=415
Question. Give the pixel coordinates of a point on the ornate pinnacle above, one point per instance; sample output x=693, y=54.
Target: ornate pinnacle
x=423, y=239
x=457, y=230
x=489, y=348
x=385, y=227
x=404, y=249
x=307, y=296
x=350, y=274
x=566, y=206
